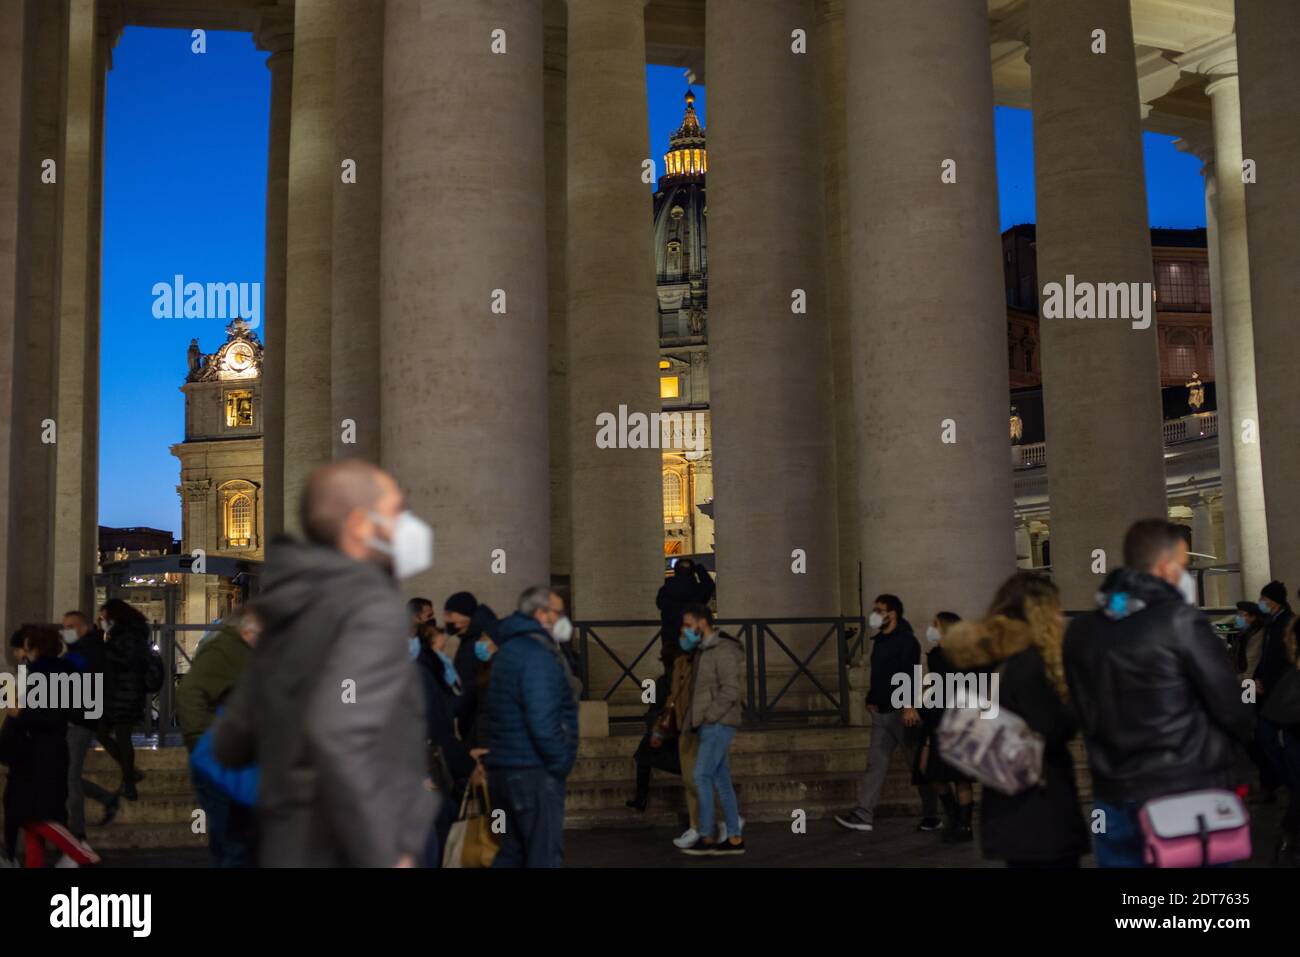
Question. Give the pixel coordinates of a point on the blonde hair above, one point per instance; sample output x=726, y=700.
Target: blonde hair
x=1033, y=599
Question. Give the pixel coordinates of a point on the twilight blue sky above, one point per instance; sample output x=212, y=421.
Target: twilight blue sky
x=185, y=192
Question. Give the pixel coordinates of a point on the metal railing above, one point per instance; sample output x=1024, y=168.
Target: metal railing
x=160, y=713
x=770, y=660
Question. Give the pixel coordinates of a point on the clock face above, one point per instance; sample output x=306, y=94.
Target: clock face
x=240, y=357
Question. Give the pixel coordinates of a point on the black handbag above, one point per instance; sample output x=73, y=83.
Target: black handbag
x=1282, y=703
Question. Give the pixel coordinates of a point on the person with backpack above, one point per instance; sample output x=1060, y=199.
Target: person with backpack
x=126, y=674
x=1160, y=706
x=1019, y=643
x=85, y=651
x=714, y=715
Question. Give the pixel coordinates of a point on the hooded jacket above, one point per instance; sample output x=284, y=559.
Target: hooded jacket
x=716, y=682
x=126, y=657
x=530, y=701
x=331, y=710
x=1155, y=692
x=1273, y=660
x=1043, y=823
x=214, y=674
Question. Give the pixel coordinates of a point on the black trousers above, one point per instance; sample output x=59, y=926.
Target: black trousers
x=115, y=737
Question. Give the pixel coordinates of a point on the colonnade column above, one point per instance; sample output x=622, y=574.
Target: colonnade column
x=313, y=172
x=12, y=21
x=828, y=40
x=1101, y=376
x=463, y=289
x=31, y=491
x=929, y=354
x=613, y=344
x=275, y=34
x=1234, y=337
x=1268, y=43
x=74, y=535
x=768, y=332
x=354, y=327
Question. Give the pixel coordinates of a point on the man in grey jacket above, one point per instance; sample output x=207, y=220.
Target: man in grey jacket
x=714, y=714
x=330, y=707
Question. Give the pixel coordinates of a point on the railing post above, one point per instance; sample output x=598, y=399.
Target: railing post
x=842, y=650
x=760, y=636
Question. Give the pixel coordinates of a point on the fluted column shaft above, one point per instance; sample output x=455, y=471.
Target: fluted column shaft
x=772, y=428
x=12, y=20
x=1101, y=377
x=313, y=175
x=463, y=289
x=613, y=347
x=929, y=360
x=1268, y=46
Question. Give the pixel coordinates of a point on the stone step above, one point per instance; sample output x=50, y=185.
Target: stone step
x=743, y=764
x=778, y=739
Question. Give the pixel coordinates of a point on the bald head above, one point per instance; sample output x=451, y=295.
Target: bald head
x=339, y=494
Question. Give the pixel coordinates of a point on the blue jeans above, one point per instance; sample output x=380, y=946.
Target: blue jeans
x=533, y=800
x=713, y=771
x=1120, y=843
x=229, y=825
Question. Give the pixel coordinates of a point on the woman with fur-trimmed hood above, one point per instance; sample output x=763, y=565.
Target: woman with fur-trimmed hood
x=1020, y=641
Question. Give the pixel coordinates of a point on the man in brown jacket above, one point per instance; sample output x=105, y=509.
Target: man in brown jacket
x=714, y=716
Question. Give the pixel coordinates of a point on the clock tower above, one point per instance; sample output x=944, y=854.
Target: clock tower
x=221, y=465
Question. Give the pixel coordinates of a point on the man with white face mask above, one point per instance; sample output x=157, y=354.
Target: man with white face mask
x=330, y=707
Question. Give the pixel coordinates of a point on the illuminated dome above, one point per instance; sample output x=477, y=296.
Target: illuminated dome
x=681, y=233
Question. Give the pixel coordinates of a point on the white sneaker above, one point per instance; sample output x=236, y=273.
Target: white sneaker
x=722, y=827
x=65, y=861
x=689, y=837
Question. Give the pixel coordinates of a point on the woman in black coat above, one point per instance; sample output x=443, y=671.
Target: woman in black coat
x=1020, y=640
x=34, y=744
x=954, y=789
x=126, y=658
x=451, y=764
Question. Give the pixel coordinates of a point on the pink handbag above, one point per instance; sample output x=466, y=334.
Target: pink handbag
x=1196, y=829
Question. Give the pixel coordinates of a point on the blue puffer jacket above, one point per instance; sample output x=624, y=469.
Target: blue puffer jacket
x=533, y=712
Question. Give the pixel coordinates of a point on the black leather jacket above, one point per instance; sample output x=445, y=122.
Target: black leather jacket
x=1154, y=691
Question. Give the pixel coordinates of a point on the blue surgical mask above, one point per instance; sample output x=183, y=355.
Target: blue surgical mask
x=689, y=639
x=481, y=650
x=413, y=648
x=1240, y=623
x=1264, y=607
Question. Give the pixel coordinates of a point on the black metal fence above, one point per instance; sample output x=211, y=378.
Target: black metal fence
x=774, y=662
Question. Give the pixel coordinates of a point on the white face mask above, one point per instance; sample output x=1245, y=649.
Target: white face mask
x=69, y=635
x=1187, y=585
x=932, y=635
x=411, y=547
x=875, y=620
x=562, y=630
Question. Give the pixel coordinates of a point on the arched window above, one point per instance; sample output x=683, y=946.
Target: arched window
x=672, y=496
x=239, y=520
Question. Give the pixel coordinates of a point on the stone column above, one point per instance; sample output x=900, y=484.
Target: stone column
x=1268, y=38
x=30, y=514
x=613, y=344
x=275, y=34
x=1101, y=377
x=555, y=93
x=354, y=333
x=1237, y=341
x=830, y=55
x=768, y=329
x=313, y=177
x=74, y=538
x=12, y=21
x=929, y=360
x=463, y=289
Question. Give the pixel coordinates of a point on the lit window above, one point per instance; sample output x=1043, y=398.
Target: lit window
x=239, y=520
x=239, y=409
x=672, y=496
x=669, y=387
x=665, y=364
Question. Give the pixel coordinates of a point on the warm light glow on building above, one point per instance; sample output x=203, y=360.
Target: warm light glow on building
x=668, y=387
